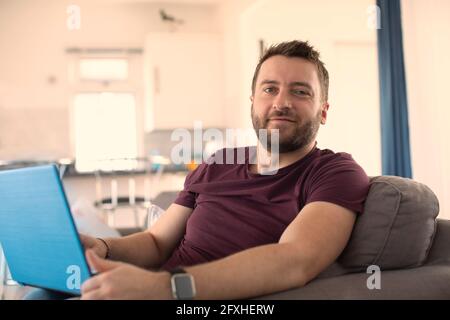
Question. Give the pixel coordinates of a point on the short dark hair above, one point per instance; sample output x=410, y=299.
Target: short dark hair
x=296, y=49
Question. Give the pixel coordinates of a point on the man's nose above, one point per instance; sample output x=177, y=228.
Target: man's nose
x=282, y=100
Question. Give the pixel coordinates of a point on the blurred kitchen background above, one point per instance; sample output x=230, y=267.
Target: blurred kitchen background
x=111, y=79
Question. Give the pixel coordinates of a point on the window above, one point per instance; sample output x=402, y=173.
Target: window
x=103, y=69
x=105, y=128
x=106, y=107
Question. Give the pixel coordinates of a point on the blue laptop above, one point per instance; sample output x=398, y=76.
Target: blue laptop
x=37, y=231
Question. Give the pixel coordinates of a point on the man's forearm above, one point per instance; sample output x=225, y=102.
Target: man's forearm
x=250, y=273
x=139, y=249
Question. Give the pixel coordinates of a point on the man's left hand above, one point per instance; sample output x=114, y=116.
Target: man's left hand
x=117, y=280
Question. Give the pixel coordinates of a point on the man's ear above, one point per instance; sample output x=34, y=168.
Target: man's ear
x=251, y=98
x=324, y=113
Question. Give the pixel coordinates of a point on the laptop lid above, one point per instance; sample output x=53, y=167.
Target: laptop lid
x=37, y=231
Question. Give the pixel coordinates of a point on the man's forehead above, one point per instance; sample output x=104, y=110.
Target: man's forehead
x=287, y=69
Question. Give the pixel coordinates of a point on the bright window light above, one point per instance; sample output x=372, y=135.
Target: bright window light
x=103, y=69
x=105, y=131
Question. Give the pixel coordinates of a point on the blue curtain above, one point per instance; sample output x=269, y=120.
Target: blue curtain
x=396, y=158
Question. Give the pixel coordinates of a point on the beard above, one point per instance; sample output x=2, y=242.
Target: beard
x=294, y=137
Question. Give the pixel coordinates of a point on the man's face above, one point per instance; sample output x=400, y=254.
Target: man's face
x=287, y=97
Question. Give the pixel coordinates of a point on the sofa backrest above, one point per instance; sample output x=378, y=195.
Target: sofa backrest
x=395, y=230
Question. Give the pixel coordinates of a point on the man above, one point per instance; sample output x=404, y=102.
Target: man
x=239, y=233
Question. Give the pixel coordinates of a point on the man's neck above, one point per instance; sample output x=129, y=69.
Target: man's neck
x=287, y=158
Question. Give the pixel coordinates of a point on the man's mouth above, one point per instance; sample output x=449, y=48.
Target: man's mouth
x=281, y=119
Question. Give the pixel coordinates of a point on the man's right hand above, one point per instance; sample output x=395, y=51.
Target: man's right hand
x=94, y=244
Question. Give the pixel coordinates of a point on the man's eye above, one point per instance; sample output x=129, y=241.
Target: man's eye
x=269, y=90
x=300, y=92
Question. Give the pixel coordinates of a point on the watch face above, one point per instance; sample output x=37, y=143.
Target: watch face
x=183, y=286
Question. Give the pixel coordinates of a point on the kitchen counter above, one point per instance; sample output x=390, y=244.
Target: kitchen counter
x=70, y=171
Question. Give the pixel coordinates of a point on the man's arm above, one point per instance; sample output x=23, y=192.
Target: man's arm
x=151, y=248
x=310, y=243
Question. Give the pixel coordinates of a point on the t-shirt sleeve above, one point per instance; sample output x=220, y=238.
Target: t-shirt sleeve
x=342, y=182
x=187, y=198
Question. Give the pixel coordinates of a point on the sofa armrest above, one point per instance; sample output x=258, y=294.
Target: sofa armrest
x=440, y=250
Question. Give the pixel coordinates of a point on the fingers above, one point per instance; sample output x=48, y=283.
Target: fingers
x=86, y=241
x=94, y=261
x=83, y=238
x=98, y=264
x=91, y=284
x=99, y=286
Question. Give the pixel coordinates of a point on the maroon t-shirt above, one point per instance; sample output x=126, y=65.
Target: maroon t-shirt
x=235, y=209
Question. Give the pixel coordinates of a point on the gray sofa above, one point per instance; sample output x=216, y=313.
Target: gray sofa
x=398, y=232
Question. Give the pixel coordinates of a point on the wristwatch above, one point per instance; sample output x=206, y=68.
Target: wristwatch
x=183, y=286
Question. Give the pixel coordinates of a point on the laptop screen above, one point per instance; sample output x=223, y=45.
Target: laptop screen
x=37, y=231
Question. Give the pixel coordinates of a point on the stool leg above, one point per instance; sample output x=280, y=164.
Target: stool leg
x=136, y=217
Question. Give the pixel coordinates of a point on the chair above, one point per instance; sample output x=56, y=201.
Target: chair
x=135, y=173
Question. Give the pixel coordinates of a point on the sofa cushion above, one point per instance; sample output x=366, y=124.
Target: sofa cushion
x=426, y=282
x=395, y=230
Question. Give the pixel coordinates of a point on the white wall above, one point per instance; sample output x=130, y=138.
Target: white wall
x=34, y=117
x=35, y=90
x=184, y=75
x=426, y=32
x=229, y=18
x=33, y=65
x=338, y=29
x=33, y=37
